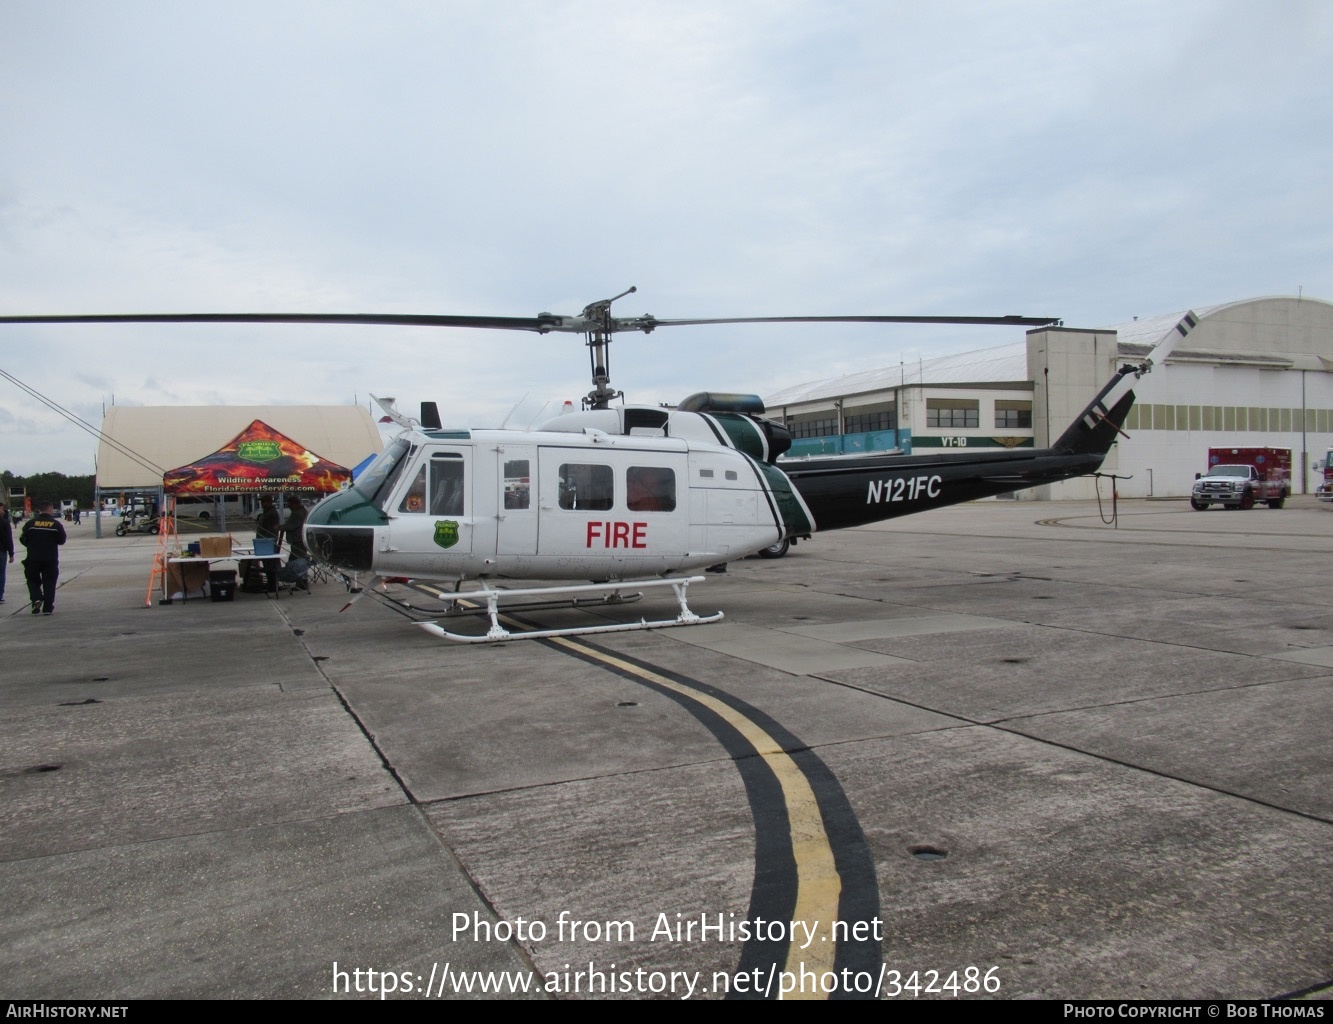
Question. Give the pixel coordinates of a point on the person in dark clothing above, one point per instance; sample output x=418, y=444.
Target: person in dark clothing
x=42, y=535
x=269, y=523
x=297, y=568
x=6, y=548
x=294, y=528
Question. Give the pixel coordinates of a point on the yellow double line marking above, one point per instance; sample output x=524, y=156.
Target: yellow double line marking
x=819, y=886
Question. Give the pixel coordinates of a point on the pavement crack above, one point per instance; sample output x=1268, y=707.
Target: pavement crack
x=1158, y=773
x=1000, y=722
x=299, y=637
x=573, y=779
x=1000, y=726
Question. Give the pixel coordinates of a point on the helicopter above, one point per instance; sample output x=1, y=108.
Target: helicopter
x=627, y=497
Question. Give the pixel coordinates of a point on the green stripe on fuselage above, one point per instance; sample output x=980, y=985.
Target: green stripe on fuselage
x=795, y=521
x=744, y=434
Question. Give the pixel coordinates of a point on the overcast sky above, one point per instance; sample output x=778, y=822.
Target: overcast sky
x=1092, y=161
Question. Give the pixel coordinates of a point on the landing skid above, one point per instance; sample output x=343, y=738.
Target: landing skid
x=456, y=603
x=610, y=590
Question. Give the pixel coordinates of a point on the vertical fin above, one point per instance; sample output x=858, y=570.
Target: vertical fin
x=1096, y=427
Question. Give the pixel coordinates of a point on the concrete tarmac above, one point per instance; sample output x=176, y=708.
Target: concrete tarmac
x=1002, y=749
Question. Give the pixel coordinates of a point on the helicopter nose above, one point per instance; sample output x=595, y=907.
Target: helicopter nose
x=340, y=530
x=350, y=547
x=346, y=508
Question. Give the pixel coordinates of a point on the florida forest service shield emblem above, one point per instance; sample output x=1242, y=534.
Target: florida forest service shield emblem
x=446, y=533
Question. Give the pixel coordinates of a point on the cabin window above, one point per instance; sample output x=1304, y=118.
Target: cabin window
x=953, y=412
x=518, y=484
x=650, y=489
x=586, y=488
x=1013, y=413
x=415, y=498
x=446, y=484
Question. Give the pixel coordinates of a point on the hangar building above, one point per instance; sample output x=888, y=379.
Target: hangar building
x=1255, y=372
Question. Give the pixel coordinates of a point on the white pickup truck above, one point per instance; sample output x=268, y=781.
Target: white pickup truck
x=1236, y=487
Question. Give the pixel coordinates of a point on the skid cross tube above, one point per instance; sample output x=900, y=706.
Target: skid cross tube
x=497, y=632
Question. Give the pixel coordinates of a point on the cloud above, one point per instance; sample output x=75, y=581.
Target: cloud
x=743, y=158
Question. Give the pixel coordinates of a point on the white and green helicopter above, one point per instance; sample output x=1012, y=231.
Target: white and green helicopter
x=622, y=497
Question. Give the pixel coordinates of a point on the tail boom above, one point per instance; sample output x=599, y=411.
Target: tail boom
x=853, y=492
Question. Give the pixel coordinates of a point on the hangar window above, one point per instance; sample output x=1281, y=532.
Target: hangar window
x=650, y=489
x=1013, y=413
x=817, y=425
x=585, y=487
x=953, y=412
x=864, y=419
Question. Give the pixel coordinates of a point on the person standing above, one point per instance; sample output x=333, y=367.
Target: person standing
x=268, y=525
x=42, y=535
x=6, y=547
x=297, y=568
x=294, y=528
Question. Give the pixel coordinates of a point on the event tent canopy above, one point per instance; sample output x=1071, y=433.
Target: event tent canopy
x=258, y=459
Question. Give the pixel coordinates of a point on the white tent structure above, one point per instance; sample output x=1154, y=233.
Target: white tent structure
x=141, y=442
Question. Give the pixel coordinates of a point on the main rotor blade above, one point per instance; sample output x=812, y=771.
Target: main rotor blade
x=648, y=323
x=541, y=324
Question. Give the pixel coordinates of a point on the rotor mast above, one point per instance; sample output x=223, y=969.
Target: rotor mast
x=600, y=327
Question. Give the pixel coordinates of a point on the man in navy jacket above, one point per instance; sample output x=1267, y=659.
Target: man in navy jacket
x=42, y=535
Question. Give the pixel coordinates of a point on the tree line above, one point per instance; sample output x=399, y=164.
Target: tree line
x=52, y=487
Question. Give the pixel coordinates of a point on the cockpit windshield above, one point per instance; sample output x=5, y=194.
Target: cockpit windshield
x=377, y=481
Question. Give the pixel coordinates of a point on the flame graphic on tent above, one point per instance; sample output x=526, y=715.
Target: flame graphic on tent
x=277, y=463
